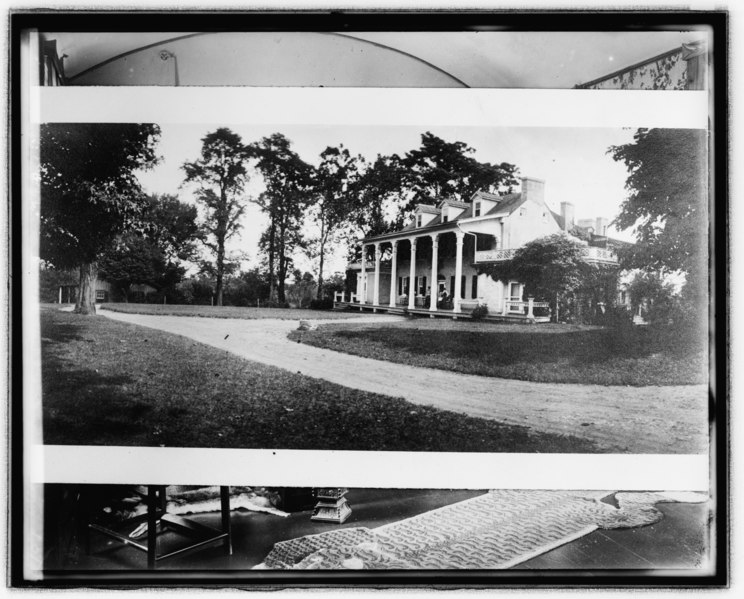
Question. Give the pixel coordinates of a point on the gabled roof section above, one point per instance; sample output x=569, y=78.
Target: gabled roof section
x=454, y=203
x=558, y=218
x=426, y=208
x=507, y=205
x=484, y=195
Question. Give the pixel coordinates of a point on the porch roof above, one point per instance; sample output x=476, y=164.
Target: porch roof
x=506, y=205
x=413, y=231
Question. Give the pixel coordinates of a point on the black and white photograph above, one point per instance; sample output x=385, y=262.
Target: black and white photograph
x=371, y=301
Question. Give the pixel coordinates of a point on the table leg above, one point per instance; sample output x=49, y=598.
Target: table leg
x=152, y=523
x=225, y=509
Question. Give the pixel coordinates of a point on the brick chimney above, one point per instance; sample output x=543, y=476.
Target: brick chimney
x=567, y=212
x=601, y=227
x=533, y=189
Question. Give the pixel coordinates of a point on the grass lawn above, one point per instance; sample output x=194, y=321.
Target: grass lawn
x=109, y=383
x=227, y=311
x=544, y=353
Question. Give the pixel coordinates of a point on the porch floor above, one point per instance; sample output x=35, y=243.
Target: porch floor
x=404, y=310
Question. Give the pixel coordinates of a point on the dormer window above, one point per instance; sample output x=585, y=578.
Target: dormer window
x=418, y=220
x=476, y=208
x=445, y=215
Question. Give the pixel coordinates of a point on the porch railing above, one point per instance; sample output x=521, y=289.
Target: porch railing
x=494, y=255
x=591, y=254
x=519, y=307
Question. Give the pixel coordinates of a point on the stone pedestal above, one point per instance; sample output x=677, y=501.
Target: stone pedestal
x=332, y=506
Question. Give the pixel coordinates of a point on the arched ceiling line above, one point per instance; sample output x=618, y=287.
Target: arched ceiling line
x=192, y=35
x=403, y=52
x=134, y=51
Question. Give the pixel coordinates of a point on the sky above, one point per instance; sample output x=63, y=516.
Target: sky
x=573, y=162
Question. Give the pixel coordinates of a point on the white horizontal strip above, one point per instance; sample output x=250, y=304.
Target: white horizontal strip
x=414, y=470
x=376, y=106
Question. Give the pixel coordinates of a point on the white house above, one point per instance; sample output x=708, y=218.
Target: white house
x=442, y=248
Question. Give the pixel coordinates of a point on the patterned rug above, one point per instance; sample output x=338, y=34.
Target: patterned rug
x=493, y=531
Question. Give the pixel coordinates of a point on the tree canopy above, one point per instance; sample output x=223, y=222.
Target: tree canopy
x=550, y=268
x=335, y=185
x=153, y=257
x=667, y=201
x=90, y=193
x=440, y=169
x=221, y=175
x=288, y=181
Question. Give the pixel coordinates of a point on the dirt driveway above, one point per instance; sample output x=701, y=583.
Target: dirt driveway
x=617, y=419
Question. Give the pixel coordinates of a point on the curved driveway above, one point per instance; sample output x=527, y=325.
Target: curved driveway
x=617, y=419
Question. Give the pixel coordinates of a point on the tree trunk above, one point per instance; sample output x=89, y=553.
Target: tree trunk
x=86, y=301
x=282, y=277
x=557, y=303
x=319, y=295
x=272, y=275
x=282, y=261
x=220, y=271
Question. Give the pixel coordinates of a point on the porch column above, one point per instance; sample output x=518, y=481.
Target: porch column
x=60, y=295
x=376, y=291
x=363, y=290
x=458, y=271
x=434, y=266
x=412, y=277
x=530, y=306
x=393, y=274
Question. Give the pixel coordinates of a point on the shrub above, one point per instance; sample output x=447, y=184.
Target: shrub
x=321, y=304
x=479, y=312
x=276, y=304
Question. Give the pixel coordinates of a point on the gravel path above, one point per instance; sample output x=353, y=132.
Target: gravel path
x=617, y=419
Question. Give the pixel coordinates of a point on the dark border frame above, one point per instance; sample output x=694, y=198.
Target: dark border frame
x=371, y=20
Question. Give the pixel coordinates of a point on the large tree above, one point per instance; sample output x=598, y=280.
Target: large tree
x=667, y=204
x=441, y=169
x=221, y=175
x=90, y=193
x=335, y=183
x=380, y=190
x=154, y=256
x=288, y=181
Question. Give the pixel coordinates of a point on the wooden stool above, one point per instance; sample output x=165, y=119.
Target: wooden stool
x=201, y=534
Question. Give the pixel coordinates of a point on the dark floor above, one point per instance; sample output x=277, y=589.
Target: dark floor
x=679, y=540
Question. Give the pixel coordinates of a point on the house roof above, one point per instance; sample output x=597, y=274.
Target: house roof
x=558, y=218
x=455, y=203
x=508, y=204
x=428, y=209
x=491, y=197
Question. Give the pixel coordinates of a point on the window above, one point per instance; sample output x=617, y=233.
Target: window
x=476, y=209
x=421, y=287
x=418, y=220
x=475, y=286
x=100, y=295
x=462, y=286
x=445, y=215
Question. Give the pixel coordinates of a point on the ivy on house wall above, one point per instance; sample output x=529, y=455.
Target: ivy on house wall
x=669, y=72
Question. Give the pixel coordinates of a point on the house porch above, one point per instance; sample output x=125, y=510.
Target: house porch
x=510, y=311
